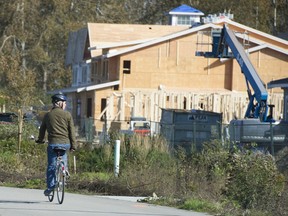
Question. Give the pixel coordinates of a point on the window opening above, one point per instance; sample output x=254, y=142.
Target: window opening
x=105, y=70
x=89, y=107
x=103, y=106
x=127, y=66
x=94, y=71
x=84, y=74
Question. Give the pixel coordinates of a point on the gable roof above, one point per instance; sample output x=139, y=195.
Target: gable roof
x=185, y=10
x=261, y=45
x=200, y=28
x=251, y=30
x=106, y=45
x=103, y=33
x=161, y=39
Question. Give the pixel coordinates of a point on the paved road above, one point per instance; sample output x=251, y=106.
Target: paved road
x=24, y=202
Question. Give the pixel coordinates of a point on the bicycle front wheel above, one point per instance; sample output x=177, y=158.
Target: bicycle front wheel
x=60, y=185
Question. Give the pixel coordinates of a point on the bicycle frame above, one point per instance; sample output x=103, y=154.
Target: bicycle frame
x=60, y=174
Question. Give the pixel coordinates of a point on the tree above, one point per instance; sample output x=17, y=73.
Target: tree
x=39, y=30
x=19, y=80
x=281, y=11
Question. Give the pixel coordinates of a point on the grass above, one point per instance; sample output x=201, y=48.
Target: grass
x=200, y=205
x=33, y=184
x=92, y=176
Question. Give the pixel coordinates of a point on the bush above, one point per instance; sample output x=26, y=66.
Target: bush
x=99, y=159
x=8, y=131
x=199, y=205
x=213, y=179
x=253, y=180
x=248, y=180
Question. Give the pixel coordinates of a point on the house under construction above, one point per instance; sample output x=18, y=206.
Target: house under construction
x=124, y=70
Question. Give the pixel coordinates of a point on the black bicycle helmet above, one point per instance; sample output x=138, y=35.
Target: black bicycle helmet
x=58, y=97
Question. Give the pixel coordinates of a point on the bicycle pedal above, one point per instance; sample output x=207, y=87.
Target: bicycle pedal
x=67, y=174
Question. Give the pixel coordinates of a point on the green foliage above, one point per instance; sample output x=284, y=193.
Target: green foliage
x=33, y=184
x=95, y=160
x=29, y=161
x=8, y=161
x=216, y=179
x=248, y=180
x=254, y=180
x=199, y=205
x=8, y=132
x=92, y=176
x=38, y=30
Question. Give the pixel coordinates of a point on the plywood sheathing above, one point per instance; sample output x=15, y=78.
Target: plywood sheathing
x=100, y=33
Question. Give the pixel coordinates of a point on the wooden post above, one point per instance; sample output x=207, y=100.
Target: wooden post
x=20, y=128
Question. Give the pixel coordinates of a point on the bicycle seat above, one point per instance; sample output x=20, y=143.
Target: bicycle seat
x=60, y=151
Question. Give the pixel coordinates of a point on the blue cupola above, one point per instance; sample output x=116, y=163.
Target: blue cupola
x=184, y=15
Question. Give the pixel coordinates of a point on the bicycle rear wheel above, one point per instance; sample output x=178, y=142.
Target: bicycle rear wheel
x=51, y=196
x=60, y=185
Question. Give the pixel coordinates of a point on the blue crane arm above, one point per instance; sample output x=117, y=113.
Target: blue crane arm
x=260, y=109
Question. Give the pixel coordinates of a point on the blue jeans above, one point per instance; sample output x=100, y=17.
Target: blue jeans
x=51, y=166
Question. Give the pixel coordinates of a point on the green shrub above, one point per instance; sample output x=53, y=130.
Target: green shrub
x=253, y=180
x=33, y=183
x=239, y=182
x=99, y=159
x=8, y=131
x=199, y=205
x=247, y=179
x=8, y=161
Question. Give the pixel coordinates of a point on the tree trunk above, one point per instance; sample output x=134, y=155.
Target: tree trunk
x=44, y=80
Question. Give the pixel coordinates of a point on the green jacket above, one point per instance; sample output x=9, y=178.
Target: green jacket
x=60, y=127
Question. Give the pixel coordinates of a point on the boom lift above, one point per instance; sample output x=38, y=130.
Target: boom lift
x=225, y=41
x=257, y=122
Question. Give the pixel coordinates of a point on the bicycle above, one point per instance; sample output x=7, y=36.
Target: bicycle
x=61, y=175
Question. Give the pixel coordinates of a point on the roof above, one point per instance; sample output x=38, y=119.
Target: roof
x=86, y=88
x=162, y=39
x=261, y=44
x=186, y=10
x=123, y=38
x=128, y=34
x=251, y=30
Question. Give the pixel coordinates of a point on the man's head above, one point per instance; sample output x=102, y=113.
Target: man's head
x=59, y=100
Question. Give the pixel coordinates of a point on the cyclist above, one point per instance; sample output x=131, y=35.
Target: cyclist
x=61, y=133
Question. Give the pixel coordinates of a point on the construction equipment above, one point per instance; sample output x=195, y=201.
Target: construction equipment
x=258, y=124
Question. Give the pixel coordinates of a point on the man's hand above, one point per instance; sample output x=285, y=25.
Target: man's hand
x=72, y=149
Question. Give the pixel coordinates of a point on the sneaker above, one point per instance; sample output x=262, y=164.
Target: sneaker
x=48, y=191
